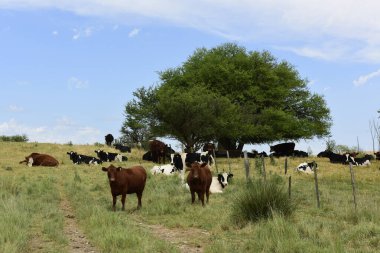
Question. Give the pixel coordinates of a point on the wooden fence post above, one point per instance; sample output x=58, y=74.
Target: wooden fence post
x=290, y=187
x=246, y=165
x=229, y=162
x=264, y=172
x=216, y=166
x=353, y=185
x=316, y=183
x=286, y=165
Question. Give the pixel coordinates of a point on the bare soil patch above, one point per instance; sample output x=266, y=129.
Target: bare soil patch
x=78, y=243
x=189, y=240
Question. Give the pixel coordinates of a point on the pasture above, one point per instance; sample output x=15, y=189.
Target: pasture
x=45, y=209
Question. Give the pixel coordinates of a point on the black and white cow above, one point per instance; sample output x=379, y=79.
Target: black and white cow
x=362, y=161
x=78, y=159
x=122, y=148
x=183, y=161
x=338, y=158
x=307, y=168
x=167, y=169
x=110, y=157
x=220, y=182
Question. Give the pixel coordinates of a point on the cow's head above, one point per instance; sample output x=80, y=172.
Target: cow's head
x=224, y=178
x=176, y=161
x=111, y=172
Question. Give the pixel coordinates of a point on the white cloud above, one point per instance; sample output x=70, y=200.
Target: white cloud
x=362, y=80
x=350, y=23
x=76, y=83
x=54, y=33
x=63, y=131
x=15, y=108
x=133, y=33
x=82, y=32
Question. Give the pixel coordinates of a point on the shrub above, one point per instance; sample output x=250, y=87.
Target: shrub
x=261, y=199
x=15, y=138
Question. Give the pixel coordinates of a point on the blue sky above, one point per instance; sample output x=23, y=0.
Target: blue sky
x=69, y=67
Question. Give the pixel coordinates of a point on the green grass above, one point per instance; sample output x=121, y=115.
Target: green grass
x=261, y=199
x=30, y=206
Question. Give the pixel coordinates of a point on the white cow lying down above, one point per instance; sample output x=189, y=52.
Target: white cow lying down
x=218, y=183
x=306, y=167
x=166, y=169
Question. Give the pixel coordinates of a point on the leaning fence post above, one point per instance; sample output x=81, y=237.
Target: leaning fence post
x=264, y=172
x=229, y=162
x=290, y=187
x=216, y=166
x=316, y=183
x=286, y=165
x=353, y=185
x=246, y=165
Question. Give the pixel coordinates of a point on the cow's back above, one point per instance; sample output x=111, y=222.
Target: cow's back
x=132, y=179
x=45, y=160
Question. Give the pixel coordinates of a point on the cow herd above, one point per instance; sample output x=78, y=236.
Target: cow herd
x=199, y=180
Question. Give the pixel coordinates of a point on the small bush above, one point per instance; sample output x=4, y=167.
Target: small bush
x=260, y=199
x=15, y=138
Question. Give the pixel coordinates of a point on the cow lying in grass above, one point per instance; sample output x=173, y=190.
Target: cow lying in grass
x=110, y=157
x=220, y=182
x=166, y=169
x=37, y=159
x=307, y=168
x=126, y=181
x=78, y=159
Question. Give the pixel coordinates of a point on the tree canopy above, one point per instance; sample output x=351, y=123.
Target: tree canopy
x=233, y=96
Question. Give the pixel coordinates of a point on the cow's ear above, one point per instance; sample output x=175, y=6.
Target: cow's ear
x=230, y=175
x=220, y=176
x=104, y=169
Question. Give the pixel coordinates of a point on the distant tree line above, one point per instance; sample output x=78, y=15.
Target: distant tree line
x=14, y=138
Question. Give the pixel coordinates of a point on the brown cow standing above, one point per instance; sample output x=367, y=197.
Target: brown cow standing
x=158, y=149
x=126, y=181
x=199, y=181
x=37, y=159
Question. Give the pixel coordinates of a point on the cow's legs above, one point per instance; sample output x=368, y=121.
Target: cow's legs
x=192, y=197
x=123, y=201
x=114, y=203
x=201, y=196
x=139, y=196
x=207, y=194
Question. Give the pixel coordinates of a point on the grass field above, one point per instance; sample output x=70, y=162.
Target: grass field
x=32, y=218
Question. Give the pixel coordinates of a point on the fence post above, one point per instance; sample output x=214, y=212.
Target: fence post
x=290, y=187
x=216, y=166
x=316, y=183
x=229, y=162
x=286, y=165
x=246, y=165
x=264, y=172
x=353, y=185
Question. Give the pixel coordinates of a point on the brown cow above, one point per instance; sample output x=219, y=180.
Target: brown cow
x=126, y=181
x=199, y=181
x=37, y=159
x=158, y=151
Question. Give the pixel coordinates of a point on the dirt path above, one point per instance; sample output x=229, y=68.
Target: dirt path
x=188, y=240
x=78, y=242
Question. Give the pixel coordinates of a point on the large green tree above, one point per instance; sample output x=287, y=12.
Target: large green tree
x=259, y=100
